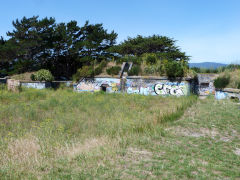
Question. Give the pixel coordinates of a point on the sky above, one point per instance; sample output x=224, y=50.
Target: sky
x=207, y=30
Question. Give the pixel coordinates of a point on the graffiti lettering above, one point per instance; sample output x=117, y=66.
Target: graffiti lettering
x=163, y=89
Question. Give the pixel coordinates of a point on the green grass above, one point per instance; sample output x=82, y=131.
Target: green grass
x=48, y=134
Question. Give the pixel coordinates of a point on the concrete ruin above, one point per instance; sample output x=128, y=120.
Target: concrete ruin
x=136, y=85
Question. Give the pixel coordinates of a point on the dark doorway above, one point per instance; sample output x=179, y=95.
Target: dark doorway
x=104, y=88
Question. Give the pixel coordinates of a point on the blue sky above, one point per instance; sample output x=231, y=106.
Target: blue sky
x=207, y=30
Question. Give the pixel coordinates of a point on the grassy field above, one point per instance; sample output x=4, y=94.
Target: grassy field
x=48, y=134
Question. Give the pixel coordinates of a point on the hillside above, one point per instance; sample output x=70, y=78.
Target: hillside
x=207, y=65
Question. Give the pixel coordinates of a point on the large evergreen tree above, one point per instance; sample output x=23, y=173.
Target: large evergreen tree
x=164, y=47
x=62, y=48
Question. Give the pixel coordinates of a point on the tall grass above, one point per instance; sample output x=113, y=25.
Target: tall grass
x=49, y=122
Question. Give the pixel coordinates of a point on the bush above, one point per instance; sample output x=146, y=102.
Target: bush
x=150, y=59
x=174, y=69
x=99, y=68
x=113, y=70
x=135, y=70
x=85, y=71
x=149, y=70
x=238, y=86
x=42, y=75
x=221, y=82
x=103, y=64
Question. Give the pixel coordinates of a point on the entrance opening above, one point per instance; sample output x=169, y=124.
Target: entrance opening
x=204, y=85
x=104, y=88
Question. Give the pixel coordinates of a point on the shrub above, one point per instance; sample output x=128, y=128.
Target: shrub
x=149, y=70
x=113, y=70
x=135, y=70
x=103, y=64
x=32, y=77
x=174, y=69
x=238, y=86
x=85, y=71
x=151, y=59
x=42, y=75
x=221, y=82
x=99, y=68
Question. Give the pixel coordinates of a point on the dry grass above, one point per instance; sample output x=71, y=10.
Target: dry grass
x=24, y=76
x=234, y=78
x=70, y=151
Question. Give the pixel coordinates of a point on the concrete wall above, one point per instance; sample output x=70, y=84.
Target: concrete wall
x=97, y=84
x=205, y=89
x=43, y=85
x=206, y=84
x=228, y=93
x=157, y=87
x=145, y=86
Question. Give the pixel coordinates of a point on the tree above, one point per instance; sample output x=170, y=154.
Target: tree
x=164, y=47
x=31, y=42
x=95, y=42
x=61, y=48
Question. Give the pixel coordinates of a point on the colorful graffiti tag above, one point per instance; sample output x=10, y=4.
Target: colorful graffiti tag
x=97, y=84
x=153, y=87
x=206, y=88
x=164, y=89
x=134, y=86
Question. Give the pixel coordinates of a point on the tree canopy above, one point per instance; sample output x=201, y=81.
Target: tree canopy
x=163, y=46
x=60, y=47
x=64, y=48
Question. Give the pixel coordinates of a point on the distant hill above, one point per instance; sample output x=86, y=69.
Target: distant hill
x=207, y=65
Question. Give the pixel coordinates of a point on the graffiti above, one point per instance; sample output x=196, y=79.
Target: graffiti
x=132, y=91
x=134, y=86
x=96, y=84
x=156, y=87
x=206, y=88
x=85, y=86
x=220, y=95
x=164, y=89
